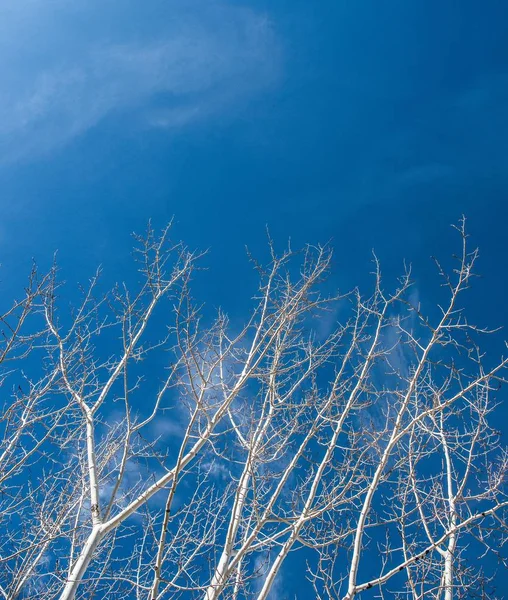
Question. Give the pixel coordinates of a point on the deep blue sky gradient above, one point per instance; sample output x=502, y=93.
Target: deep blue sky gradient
x=372, y=124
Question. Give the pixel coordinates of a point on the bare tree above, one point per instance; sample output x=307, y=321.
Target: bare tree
x=146, y=454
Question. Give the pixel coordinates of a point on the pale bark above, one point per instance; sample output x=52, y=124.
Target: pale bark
x=174, y=459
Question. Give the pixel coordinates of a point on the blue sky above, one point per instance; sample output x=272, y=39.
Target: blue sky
x=370, y=124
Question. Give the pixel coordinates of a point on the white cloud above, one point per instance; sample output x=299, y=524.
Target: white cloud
x=65, y=67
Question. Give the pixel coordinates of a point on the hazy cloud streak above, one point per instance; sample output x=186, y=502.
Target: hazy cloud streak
x=72, y=69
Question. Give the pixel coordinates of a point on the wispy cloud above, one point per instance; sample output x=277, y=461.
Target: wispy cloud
x=80, y=63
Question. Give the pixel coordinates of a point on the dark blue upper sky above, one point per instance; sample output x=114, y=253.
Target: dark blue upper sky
x=368, y=123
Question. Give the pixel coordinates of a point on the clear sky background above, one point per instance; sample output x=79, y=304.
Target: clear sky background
x=370, y=124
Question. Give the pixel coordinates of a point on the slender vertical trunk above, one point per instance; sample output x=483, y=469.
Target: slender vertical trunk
x=221, y=572
x=448, y=575
x=79, y=569
x=452, y=540
x=214, y=589
x=92, y=470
